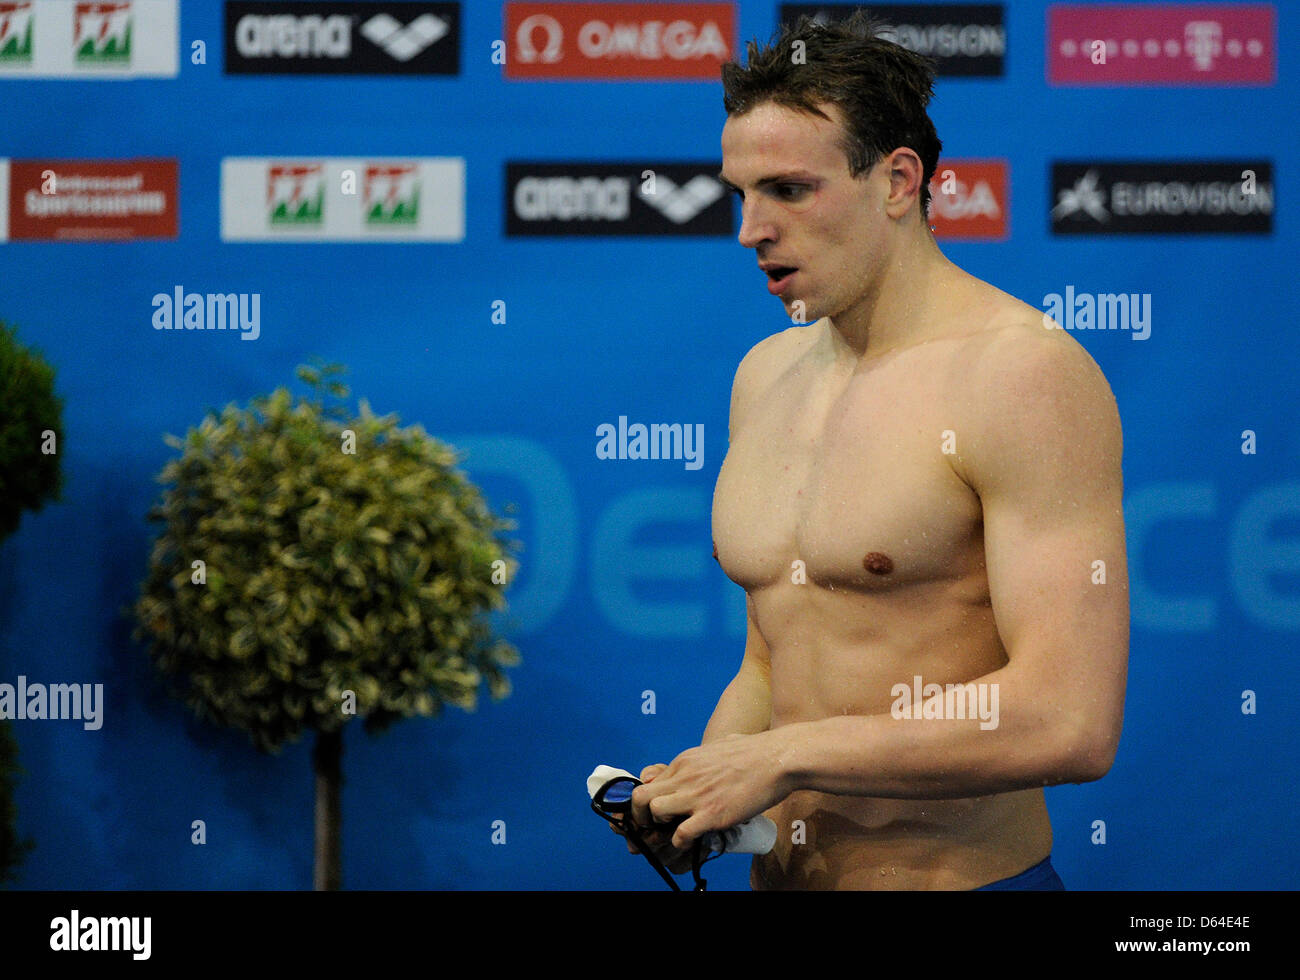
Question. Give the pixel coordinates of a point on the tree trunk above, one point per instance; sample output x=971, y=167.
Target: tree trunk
x=327, y=759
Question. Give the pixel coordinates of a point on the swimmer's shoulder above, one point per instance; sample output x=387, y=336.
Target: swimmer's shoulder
x=766, y=361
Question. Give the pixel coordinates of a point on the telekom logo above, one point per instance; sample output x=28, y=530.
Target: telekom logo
x=1171, y=44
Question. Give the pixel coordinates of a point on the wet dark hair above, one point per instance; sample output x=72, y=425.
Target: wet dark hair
x=881, y=88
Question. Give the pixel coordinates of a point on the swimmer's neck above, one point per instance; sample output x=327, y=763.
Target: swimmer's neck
x=904, y=305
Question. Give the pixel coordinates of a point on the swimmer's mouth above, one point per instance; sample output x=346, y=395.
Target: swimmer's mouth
x=778, y=278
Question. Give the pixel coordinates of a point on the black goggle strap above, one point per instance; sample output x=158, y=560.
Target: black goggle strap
x=627, y=827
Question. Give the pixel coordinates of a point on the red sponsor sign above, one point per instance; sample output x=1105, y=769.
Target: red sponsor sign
x=619, y=40
x=92, y=200
x=1162, y=44
x=968, y=199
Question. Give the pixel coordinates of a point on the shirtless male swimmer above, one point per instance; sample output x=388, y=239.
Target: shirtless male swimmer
x=921, y=483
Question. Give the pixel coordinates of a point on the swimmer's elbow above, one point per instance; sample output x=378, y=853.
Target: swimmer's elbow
x=1086, y=754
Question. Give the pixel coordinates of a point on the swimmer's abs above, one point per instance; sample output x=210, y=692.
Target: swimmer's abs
x=827, y=842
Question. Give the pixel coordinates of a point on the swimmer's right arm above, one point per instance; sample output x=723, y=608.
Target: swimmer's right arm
x=745, y=707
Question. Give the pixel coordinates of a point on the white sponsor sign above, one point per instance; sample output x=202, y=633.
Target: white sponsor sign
x=68, y=39
x=360, y=199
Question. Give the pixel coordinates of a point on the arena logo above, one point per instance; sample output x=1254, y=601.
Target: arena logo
x=963, y=39
x=677, y=40
x=634, y=199
x=16, y=33
x=1162, y=44
x=286, y=36
x=323, y=37
x=1213, y=197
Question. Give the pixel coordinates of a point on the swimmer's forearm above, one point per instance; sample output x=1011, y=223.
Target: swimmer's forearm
x=929, y=758
x=745, y=707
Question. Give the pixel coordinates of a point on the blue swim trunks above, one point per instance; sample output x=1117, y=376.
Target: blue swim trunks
x=1042, y=877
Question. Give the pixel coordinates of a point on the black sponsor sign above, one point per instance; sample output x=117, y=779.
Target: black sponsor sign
x=616, y=199
x=1162, y=198
x=329, y=38
x=963, y=39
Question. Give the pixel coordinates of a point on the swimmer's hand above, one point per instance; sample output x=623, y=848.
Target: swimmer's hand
x=658, y=837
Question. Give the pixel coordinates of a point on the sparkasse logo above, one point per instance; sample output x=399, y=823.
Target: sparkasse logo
x=347, y=38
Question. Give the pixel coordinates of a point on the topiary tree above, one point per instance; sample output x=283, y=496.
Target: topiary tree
x=313, y=568
x=31, y=427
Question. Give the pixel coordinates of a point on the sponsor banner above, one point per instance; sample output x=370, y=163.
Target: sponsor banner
x=374, y=199
x=969, y=198
x=89, y=200
x=71, y=39
x=1162, y=198
x=619, y=40
x=1162, y=44
x=616, y=199
x=331, y=38
x=963, y=38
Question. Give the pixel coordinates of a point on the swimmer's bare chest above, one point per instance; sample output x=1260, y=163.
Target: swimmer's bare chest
x=839, y=510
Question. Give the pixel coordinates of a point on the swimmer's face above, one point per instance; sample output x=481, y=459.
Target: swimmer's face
x=801, y=208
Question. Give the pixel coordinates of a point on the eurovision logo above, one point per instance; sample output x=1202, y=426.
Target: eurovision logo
x=963, y=39
x=1162, y=198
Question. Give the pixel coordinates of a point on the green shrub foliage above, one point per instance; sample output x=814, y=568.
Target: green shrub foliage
x=327, y=571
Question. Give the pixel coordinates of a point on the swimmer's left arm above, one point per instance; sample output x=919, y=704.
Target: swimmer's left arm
x=1039, y=440
x=1041, y=445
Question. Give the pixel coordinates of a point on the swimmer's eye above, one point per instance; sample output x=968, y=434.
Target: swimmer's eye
x=796, y=191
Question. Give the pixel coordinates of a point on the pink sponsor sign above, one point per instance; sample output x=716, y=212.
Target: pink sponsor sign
x=1162, y=44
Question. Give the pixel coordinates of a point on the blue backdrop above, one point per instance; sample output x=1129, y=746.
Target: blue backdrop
x=617, y=593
